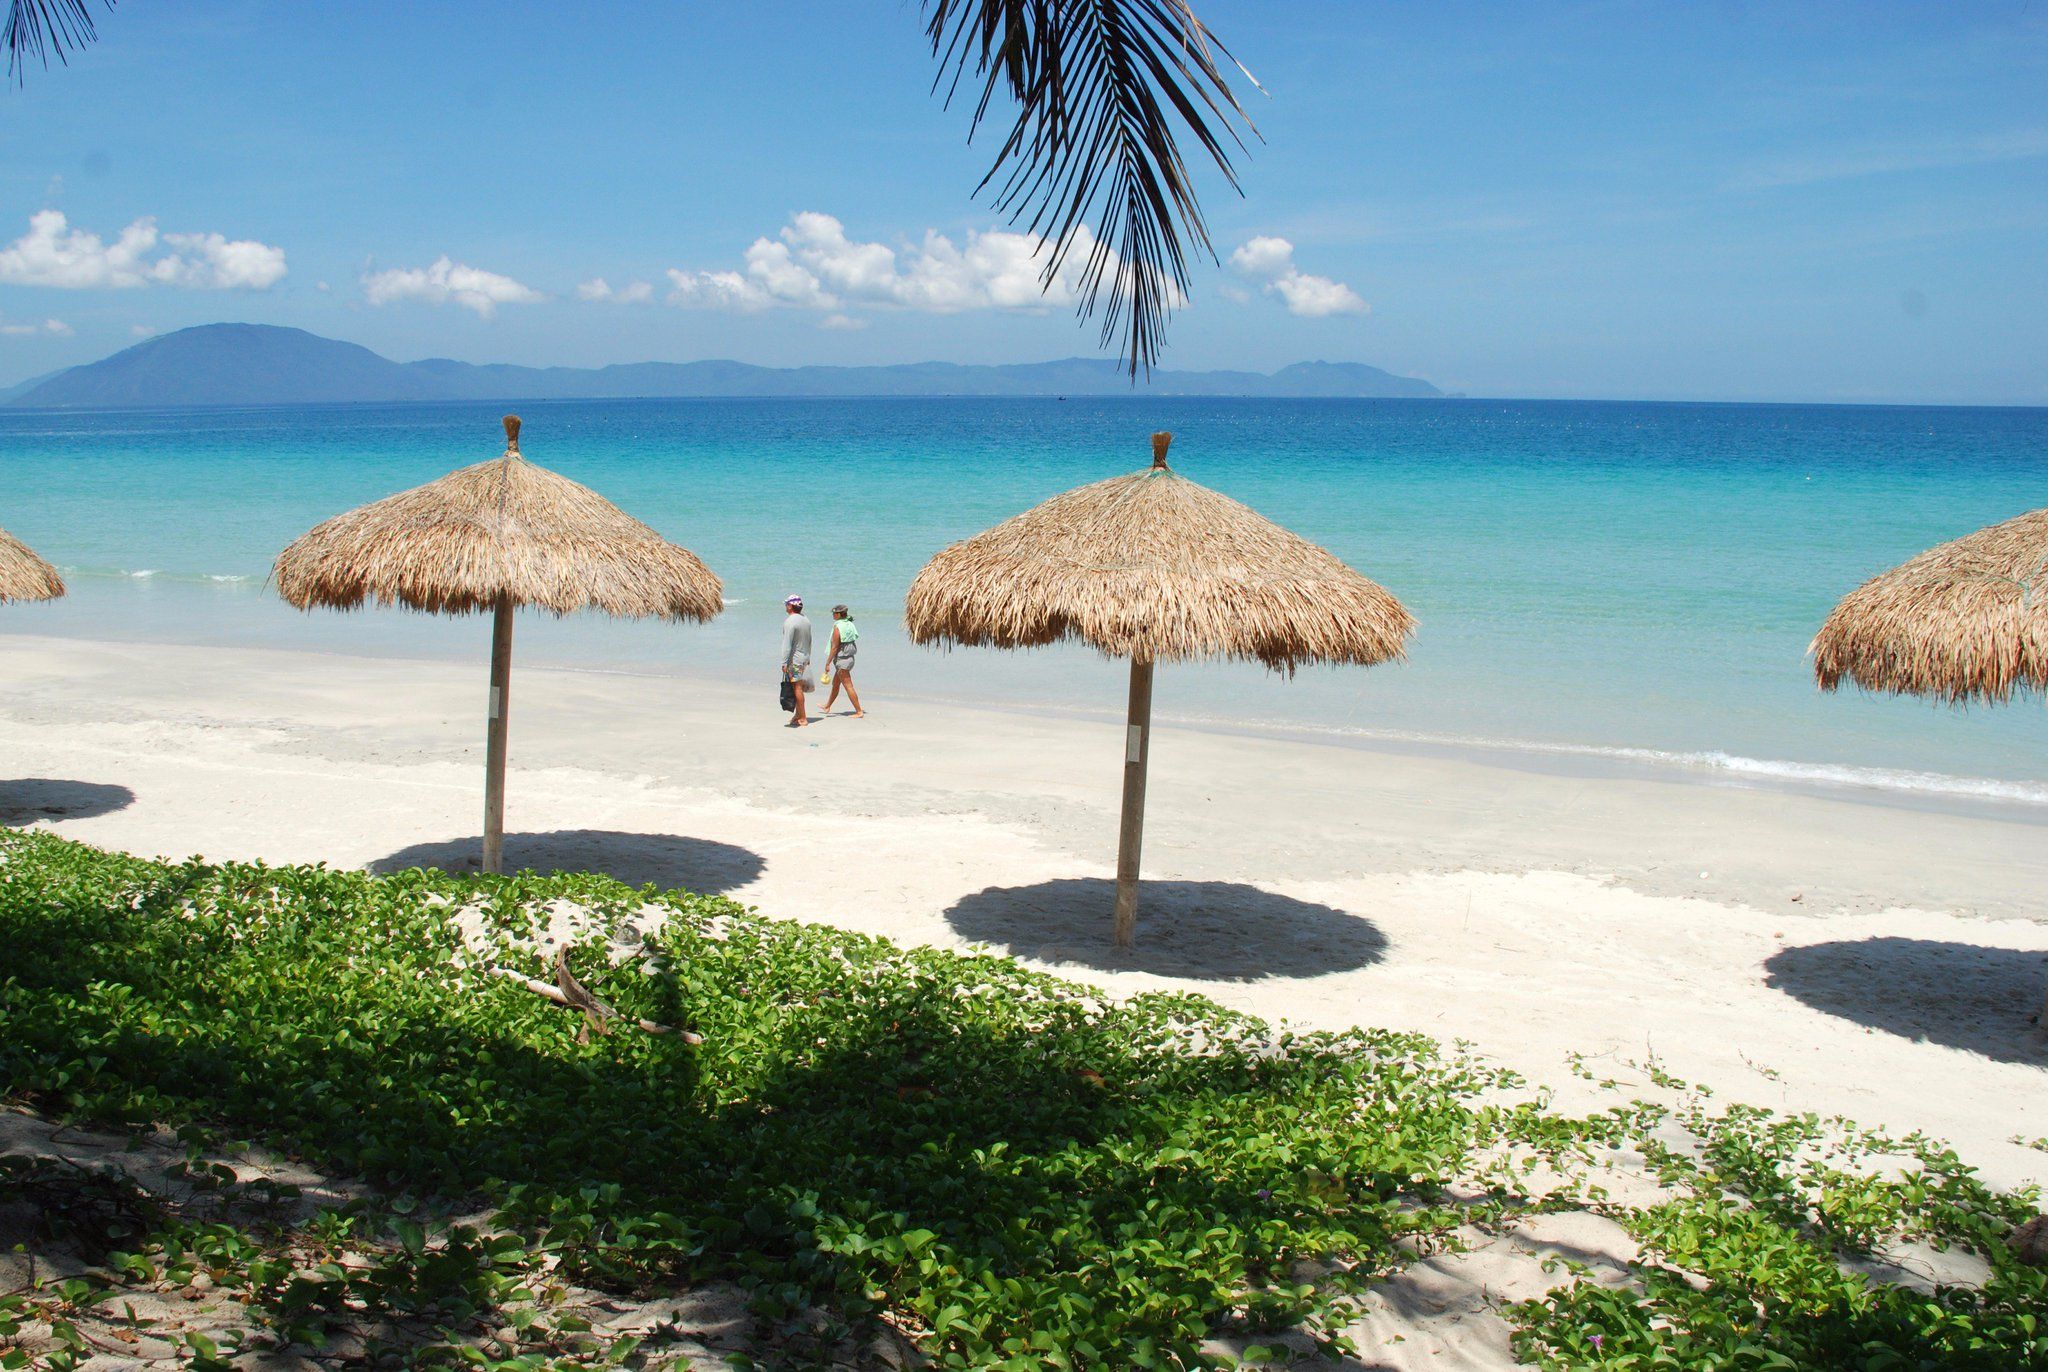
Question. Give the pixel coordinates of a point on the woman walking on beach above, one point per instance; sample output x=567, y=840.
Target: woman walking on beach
x=845, y=647
x=796, y=658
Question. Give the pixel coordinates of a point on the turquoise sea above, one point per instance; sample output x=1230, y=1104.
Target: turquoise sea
x=1635, y=582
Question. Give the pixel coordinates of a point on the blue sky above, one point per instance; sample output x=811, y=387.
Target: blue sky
x=1721, y=201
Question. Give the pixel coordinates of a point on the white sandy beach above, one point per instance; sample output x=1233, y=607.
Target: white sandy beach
x=1838, y=952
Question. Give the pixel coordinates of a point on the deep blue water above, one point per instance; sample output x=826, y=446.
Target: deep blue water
x=1598, y=575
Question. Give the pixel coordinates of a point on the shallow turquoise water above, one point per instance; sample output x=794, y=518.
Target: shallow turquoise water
x=1587, y=575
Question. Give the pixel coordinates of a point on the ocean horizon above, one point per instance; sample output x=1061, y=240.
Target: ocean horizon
x=1625, y=581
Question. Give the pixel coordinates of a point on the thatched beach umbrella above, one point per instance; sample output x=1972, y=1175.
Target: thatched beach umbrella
x=23, y=575
x=498, y=535
x=1154, y=568
x=1965, y=621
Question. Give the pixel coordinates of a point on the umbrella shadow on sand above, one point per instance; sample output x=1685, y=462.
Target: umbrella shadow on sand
x=1981, y=1000
x=666, y=860
x=28, y=799
x=1201, y=930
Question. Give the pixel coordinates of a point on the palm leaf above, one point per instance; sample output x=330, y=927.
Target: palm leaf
x=1103, y=89
x=42, y=29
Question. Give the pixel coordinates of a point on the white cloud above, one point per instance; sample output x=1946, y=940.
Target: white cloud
x=1316, y=296
x=1264, y=257
x=448, y=282
x=212, y=262
x=141, y=331
x=48, y=326
x=633, y=293
x=52, y=253
x=812, y=264
x=842, y=321
x=1270, y=261
x=715, y=291
x=773, y=269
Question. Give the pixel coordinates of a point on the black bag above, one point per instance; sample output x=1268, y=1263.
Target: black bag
x=788, y=696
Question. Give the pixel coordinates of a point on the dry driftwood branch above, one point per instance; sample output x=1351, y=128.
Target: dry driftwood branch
x=572, y=994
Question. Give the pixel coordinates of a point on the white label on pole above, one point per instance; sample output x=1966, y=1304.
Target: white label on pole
x=1134, y=747
x=494, y=702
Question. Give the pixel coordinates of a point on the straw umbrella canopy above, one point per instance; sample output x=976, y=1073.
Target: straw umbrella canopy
x=23, y=575
x=495, y=536
x=1965, y=621
x=1154, y=568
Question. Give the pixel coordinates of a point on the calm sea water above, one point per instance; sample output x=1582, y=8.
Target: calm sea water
x=1613, y=579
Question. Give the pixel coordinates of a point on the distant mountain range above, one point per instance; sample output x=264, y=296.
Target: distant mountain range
x=260, y=364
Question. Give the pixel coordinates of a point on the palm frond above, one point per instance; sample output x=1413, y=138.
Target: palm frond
x=1103, y=89
x=42, y=29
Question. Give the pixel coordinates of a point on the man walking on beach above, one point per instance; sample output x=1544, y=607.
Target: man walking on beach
x=796, y=658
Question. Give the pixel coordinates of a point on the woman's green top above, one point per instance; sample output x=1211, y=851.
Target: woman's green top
x=848, y=630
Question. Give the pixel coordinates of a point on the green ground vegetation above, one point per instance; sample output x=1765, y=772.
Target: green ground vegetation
x=1006, y=1167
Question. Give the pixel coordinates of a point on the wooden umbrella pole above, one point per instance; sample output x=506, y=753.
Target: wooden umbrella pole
x=494, y=743
x=1131, y=836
